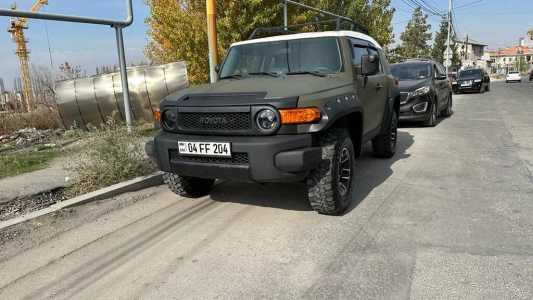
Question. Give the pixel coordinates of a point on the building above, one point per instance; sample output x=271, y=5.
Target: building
x=517, y=58
x=527, y=40
x=472, y=53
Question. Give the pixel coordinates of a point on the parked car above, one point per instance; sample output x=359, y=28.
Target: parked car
x=288, y=108
x=531, y=75
x=513, y=76
x=473, y=80
x=425, y=91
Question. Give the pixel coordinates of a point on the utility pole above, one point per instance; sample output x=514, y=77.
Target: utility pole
x=449, y=52
x=212, y=38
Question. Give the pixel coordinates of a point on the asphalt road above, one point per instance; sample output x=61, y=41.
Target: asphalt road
x=451, y=216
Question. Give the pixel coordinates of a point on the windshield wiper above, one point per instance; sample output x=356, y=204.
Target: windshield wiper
x=315, y=73
x=273, y=74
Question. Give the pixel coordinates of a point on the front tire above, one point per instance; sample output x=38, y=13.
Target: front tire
x=432, y=120
x=384, y=145
x=189, y=187
x=449, y=108
x=330, y=185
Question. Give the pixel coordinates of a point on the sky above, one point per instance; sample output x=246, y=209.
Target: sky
x=498, y=23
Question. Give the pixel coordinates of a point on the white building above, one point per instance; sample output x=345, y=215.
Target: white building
x=472, y=53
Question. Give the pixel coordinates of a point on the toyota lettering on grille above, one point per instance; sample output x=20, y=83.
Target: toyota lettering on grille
x=213, y=120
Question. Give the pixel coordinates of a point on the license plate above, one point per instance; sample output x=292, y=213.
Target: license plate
x=466, y=83
x=204, y=148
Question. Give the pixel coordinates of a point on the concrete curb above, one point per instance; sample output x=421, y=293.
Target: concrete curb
x=133, y=185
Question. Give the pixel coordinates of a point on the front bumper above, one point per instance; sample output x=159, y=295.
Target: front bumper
x=474, y=87
x=408, y=113
x=279, y=158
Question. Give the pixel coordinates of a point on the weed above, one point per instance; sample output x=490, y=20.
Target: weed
x=16, y=163
x=111, y=155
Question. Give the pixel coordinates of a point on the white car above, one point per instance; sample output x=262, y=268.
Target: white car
x=513, y=76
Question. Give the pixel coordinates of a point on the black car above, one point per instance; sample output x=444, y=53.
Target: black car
x=473, y=80
x=425, y=91
x=531, y=75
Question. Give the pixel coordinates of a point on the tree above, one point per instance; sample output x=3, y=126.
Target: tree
x=374, y=15
x=69, y=71
x=416, y=36
x=530, y=34
x=440, y=42
x=177, y=29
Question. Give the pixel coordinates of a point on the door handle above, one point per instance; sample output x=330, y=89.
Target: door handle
x=379, y=86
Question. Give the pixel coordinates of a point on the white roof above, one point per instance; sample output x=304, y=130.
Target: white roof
x=306, y=35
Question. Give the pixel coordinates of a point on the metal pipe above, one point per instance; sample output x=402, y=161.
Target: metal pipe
x=124, y=77
x=285, y=16
x=76, y=19
x=212, y=38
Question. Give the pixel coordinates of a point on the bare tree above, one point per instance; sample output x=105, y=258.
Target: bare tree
x=43, y=85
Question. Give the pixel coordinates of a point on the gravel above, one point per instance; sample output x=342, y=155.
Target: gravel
x=24, y=205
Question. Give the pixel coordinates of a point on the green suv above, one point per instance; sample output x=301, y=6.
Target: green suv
x=287, y=108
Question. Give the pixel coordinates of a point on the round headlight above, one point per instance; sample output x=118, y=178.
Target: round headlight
x=169, y=119
x=267, y=120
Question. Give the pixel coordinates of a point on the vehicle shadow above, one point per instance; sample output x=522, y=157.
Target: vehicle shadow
x=371, y=172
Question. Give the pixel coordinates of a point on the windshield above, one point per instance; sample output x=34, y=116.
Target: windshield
x=470, y=73
x=283, y=57
x=411, y=71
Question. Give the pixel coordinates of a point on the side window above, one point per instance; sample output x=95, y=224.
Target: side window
x=440, y=71
x=358, y=50
x=372, y=51
x=357, y=54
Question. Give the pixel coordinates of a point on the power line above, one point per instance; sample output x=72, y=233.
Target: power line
x=470, y=4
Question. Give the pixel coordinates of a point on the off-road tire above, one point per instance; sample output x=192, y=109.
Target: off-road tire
x=190, y=187
x=384, y=145
x=448, y=111
x=432, y=120
x=323, y=187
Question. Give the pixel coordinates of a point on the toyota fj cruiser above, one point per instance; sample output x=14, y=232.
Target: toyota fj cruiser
x=287, y=108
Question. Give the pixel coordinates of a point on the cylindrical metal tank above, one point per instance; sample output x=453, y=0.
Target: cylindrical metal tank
x=95, y=99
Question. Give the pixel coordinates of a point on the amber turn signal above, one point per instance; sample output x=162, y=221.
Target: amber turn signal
x=300, y=115
x=157, y=115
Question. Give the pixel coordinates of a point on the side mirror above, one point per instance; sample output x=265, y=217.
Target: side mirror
x=217, y=68
x=369, y=65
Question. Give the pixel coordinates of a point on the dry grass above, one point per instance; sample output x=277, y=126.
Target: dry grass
x=110, y=155
x=39, y=119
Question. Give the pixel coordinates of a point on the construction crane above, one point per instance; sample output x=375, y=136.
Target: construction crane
x=17, y=34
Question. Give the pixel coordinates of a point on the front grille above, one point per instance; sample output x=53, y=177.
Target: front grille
x=237, y=158
x=214, y=121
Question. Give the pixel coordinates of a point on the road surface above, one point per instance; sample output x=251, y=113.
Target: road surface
x=451, y=216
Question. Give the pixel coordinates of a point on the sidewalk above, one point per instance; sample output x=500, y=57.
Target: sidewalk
x=32, y=183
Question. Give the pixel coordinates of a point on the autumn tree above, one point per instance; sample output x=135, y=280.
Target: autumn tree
x=178, y=28
x=416, y=36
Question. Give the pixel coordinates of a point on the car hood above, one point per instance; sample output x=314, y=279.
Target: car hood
x=412, y=85
x=259, y=89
